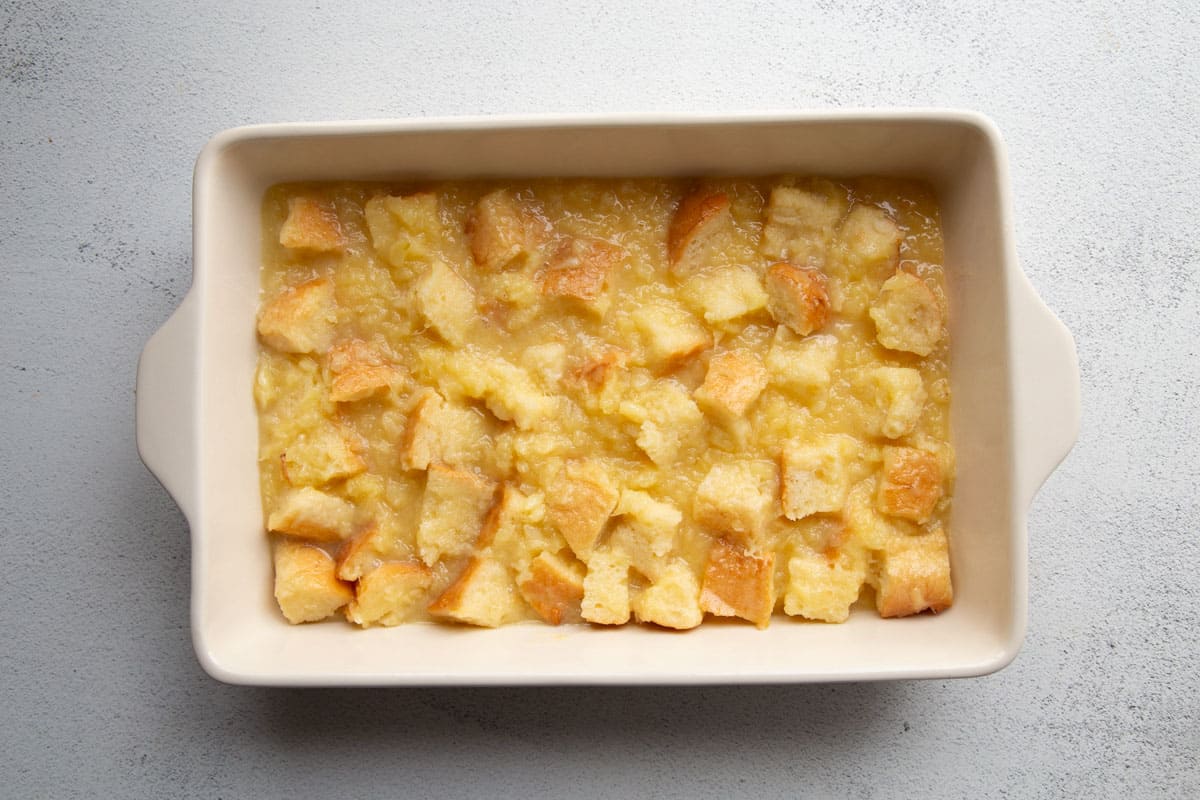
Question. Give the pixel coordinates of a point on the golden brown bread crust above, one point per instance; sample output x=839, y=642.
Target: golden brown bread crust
x=301, y=319
x=390, y=593
x=798, y=297
x=738, y=583
x=698, y=216
x=734, y=380
x=505, y=231
x=911, y=483
x=553, y=588
x=579, y=268
x=311, y=225
x=915, y=576
x=582, y=501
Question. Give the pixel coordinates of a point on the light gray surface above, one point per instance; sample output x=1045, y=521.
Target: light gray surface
x=103, y=112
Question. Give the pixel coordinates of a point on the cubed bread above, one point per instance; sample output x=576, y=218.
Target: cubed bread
x=606, y=588
x=406, y=231
x=734, y=380
x=312, y=514
x=440, y=431
x=302, y=319
x=598, y=370
x=447, y=302
x=735, y=499
x=897, y=395
x=484, y=595
x=359, y=370
x=643, y=547
x=580, y=268
x=672, y=601
x=802, y=367
x=502, y=526
x=667, y=419
x=360, y=555
x=655, y=520
x=311, y=224
x=823, y=588
x=553, y=587
x=907, y=315
x=306, y=587
x=390, y=594
x=816, y=475
x=801, y=222
x=910, y=483
x=320, y=456
x=508, y=391
x=669, y=334
x=870, y=236
x=725, y=294
x=915, y=576
x=453, y=510
x=739, y=583
x=505, y=231
x=698, y=224
x=798, y=297
x=580, y=502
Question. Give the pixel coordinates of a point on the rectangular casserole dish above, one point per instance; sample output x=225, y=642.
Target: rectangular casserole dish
x=1014, y=375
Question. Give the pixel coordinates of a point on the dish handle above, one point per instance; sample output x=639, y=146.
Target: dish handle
x=1046, y=406
x=167, y=396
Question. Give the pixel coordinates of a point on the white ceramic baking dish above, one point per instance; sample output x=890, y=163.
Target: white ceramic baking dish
x=1014, y=373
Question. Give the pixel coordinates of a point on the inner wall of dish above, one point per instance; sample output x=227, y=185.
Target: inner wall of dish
x=234, y=600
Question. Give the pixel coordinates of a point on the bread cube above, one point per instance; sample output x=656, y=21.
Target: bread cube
x=453, y=510
x=579, y=269
x=447, y=301
x=320, y=456
x=667, y=418
x=358, y=370
x=734, y=380
x=655, y=520
x=440, y=431
x=508, y=391
x=669, y=334
x=553, y=587
x=505, y=231
x=301, y=320
x=735, y=499
x=801, y=222
x=502, y=527
x=305, y=585
x=823, y=588
x=803, y=367
x=311, y=225
x=870, y=236
x=483, y=595
x=915, y=577
x=798, y=297
x=816, y=475
x=897, y=394
x=697, y=227
x=643, y=547
x=312, y=514
x=910, y=484
x=907, y=315
x=672, y=601
x=580, y=503
x=606, y=588
x=738, y=583
x=390, y=594
x=360, y=555
x=598, y=370
x=406, y=231
x=725, y=294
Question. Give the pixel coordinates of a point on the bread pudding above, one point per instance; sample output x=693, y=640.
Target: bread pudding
x=604, y=401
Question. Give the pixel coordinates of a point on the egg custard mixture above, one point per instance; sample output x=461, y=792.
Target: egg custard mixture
x=604, y=400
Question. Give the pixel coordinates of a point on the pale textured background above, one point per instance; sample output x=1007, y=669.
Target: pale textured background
x=105, y=108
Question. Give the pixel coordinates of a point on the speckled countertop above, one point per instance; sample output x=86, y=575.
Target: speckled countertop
x=104, y=107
